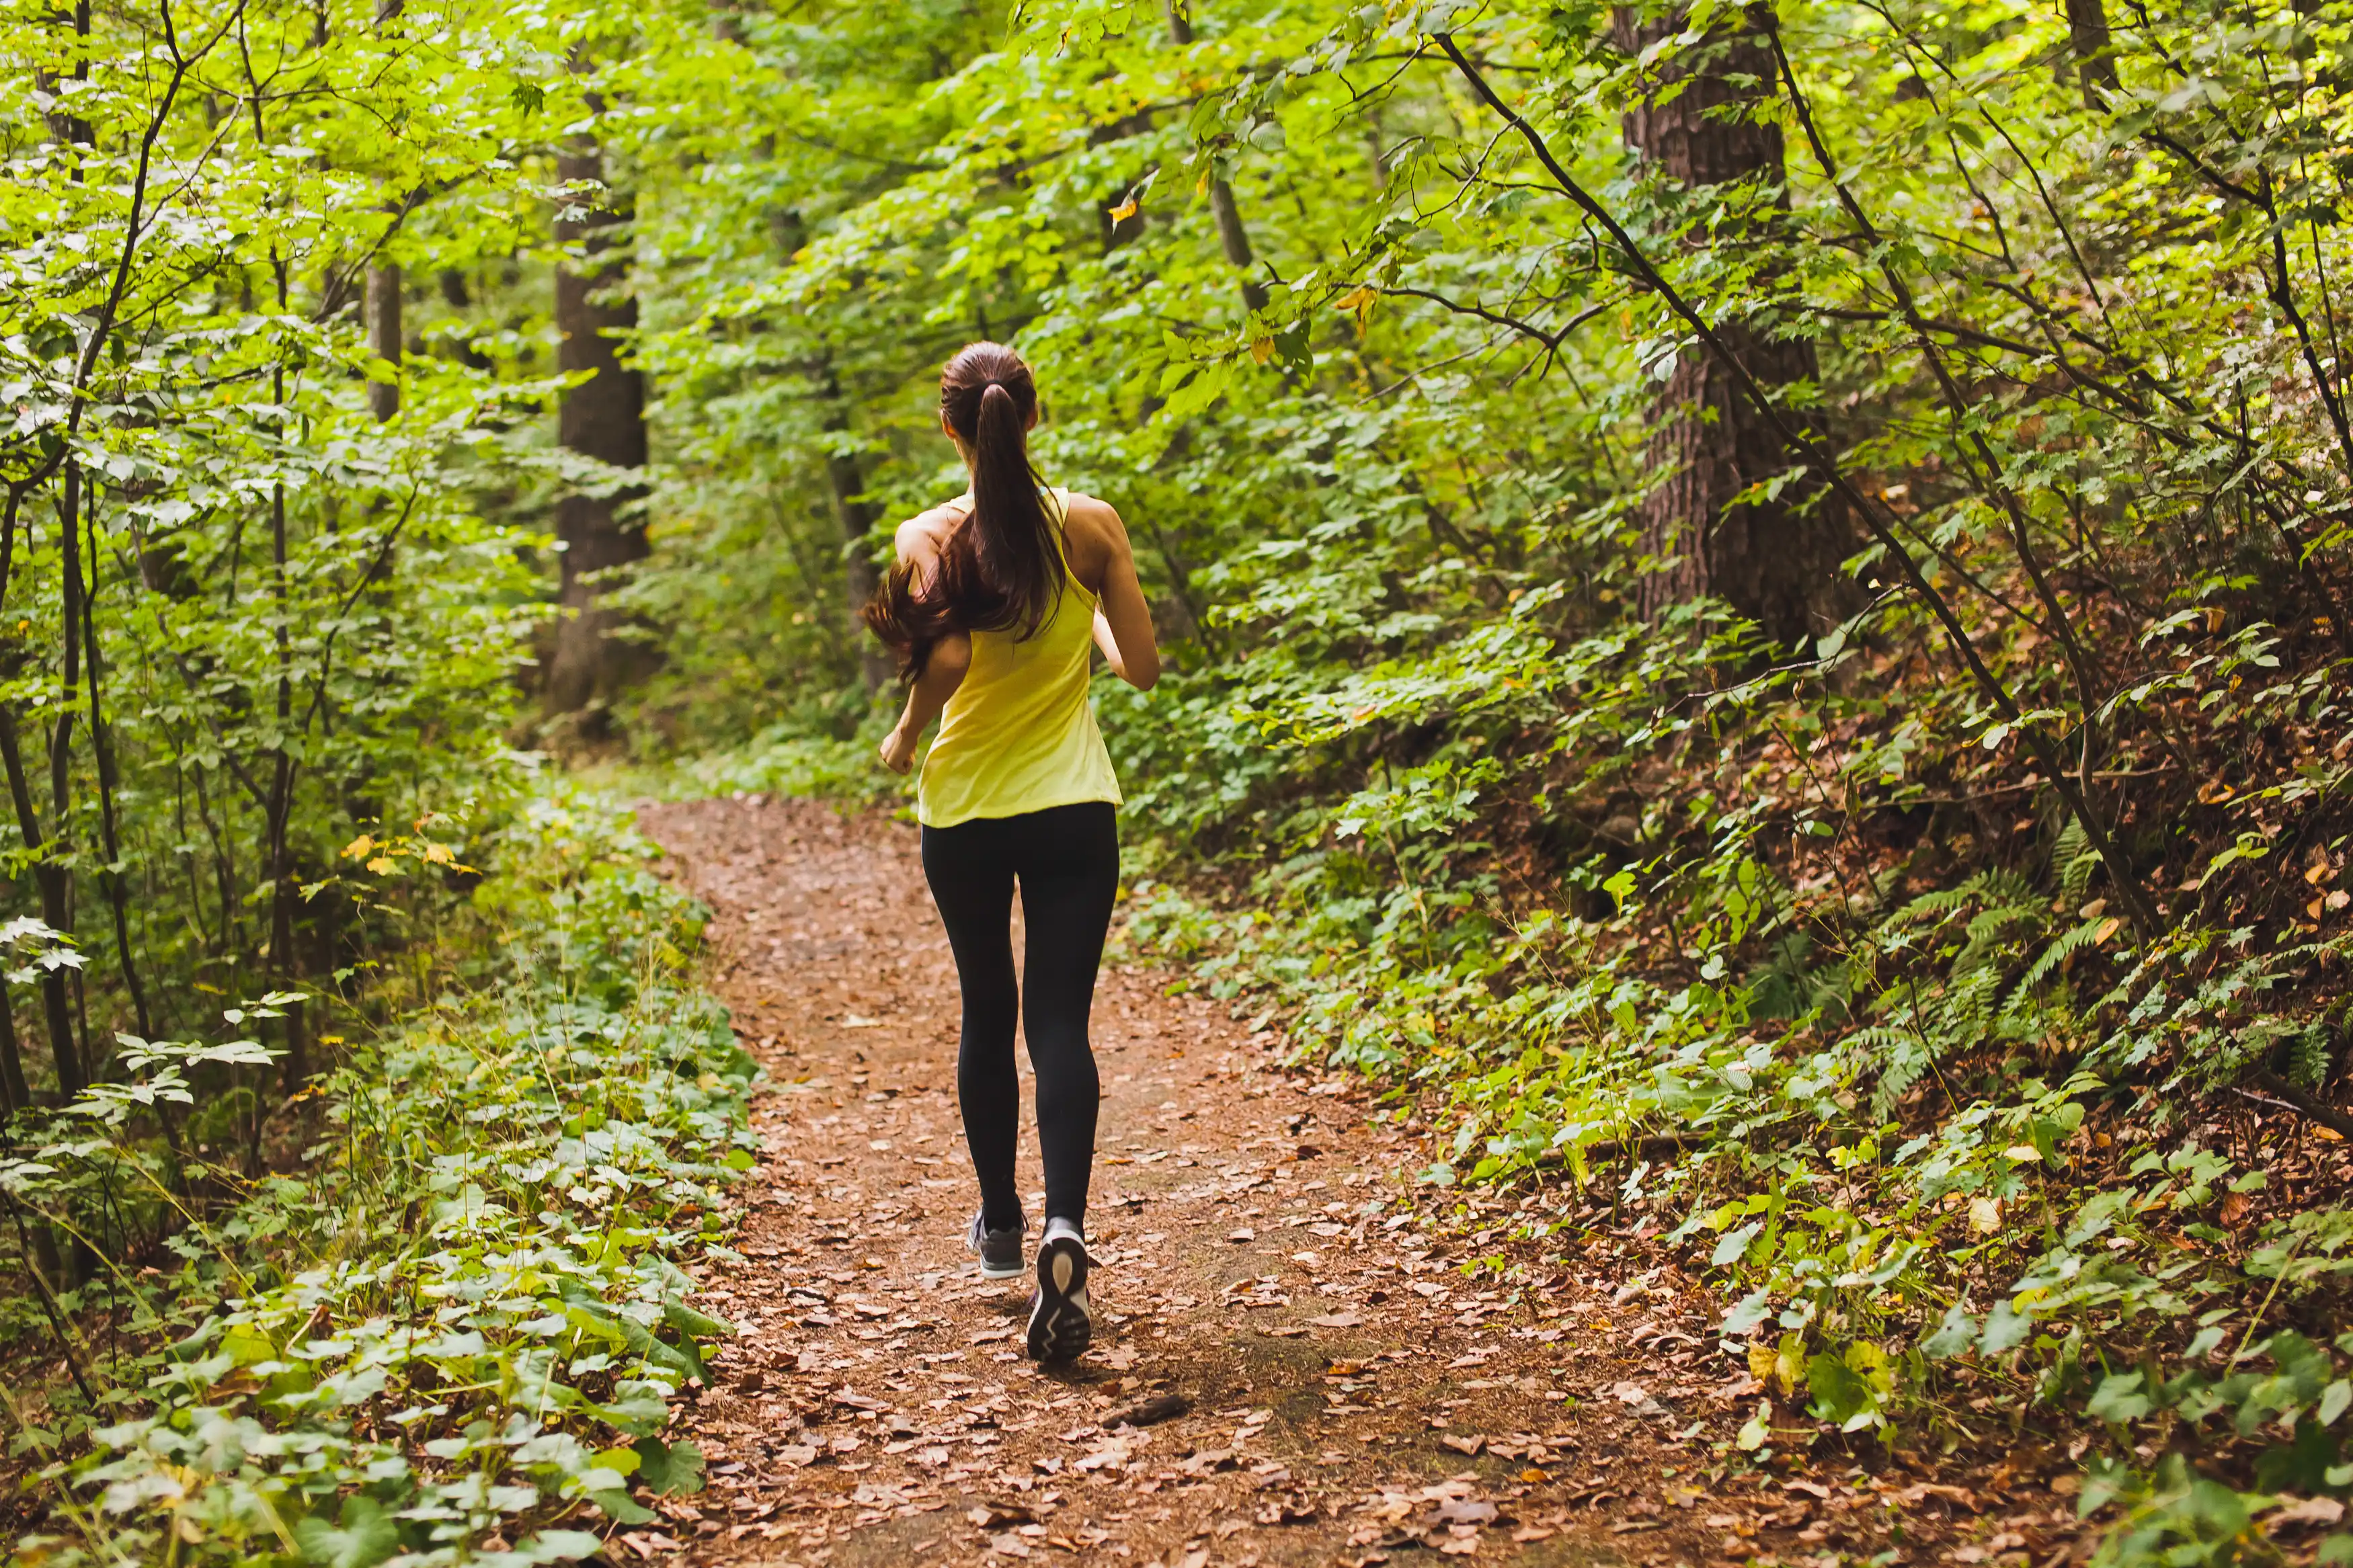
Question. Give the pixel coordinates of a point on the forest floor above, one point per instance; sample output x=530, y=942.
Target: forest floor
x=1291, y=1366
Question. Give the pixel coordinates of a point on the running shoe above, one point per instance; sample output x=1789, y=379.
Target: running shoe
x=1062, y=1324
x=999, y=1250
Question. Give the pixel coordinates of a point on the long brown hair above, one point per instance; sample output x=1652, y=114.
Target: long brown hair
x=1002, y=569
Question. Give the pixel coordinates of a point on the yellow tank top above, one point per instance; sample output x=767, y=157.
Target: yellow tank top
x=1019, y=734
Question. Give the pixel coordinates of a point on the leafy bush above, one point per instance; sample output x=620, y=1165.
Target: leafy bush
x=452, y=1333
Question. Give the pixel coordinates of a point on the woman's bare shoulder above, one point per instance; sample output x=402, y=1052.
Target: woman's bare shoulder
x=923, y=534
x=1086, y=514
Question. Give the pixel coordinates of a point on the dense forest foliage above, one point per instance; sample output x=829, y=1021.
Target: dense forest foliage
x=1758, y=626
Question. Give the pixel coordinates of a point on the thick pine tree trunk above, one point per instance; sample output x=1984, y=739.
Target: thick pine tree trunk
x=604, y=418
x=1775, y=562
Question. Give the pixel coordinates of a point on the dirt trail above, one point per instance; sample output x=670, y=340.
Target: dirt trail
x=1342, y=1391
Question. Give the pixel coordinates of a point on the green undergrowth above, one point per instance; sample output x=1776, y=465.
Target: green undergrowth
x=1931, y=1185
x=451, y=1327
x=788, y=761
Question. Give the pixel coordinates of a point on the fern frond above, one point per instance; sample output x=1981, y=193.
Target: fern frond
x=1942, y=902
x=2074, y=857
x=2051, y=958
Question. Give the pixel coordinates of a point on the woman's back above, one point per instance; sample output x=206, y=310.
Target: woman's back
x=1018, y=735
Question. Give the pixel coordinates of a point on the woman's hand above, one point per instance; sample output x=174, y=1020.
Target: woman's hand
x=944, y=671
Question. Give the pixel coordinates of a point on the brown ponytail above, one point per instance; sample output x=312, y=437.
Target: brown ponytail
x=1002, y=570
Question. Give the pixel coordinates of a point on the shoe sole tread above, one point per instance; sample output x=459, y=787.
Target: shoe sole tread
x=1061, y=1326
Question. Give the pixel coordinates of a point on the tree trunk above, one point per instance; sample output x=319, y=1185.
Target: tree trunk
x=845, y=475
x=16, y=1093
x=1775, y=562
x=49, y=879
x=604, y=418
x=110, y=783
x=54, y=874
x=1232, y=238
x=2095, y=65
x=383, y=292
x=383, y=334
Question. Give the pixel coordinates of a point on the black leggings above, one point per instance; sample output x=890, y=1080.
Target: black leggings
x=1067, y=861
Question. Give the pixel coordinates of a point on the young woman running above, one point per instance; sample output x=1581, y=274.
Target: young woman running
x=994, y=605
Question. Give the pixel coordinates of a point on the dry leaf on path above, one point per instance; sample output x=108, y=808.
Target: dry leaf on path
x=1161, y=1407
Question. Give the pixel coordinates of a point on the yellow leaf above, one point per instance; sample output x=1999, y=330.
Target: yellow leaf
x=380, y=865
x=2107, y=928
x=359, y=847
x=1789, y=1363
x=2024, y=1154
x=1985, y=1215
x=1262, y=349
x=1125, y=211
x=438, y=854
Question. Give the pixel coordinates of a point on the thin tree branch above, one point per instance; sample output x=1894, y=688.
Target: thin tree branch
x=1797, y=439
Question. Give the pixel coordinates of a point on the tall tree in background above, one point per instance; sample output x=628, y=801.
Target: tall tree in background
x=1232, y=238
x=384, y=285
x=1774, y=560
x=2096, y=62
x=845, y=477
x=603, y=417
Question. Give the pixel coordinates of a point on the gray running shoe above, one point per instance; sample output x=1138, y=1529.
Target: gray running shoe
x=999, y=1250
x=1062, y=1323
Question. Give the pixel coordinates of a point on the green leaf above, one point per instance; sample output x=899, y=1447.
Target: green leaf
x=1209, y=383
x=686, y=1319
x=670, y=1470
x=2006, y=1328
x=561, y=1546
x=1733, y=1244
x=1757, y=1430
x=621, y=1508
x=1837, y=1394
x=2119, y=1397
x=1956, y=1334
x=366, y=1536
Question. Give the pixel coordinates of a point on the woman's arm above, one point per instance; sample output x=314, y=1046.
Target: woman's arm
x=917, y=542
x=943, y=673
x=1123, y=619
